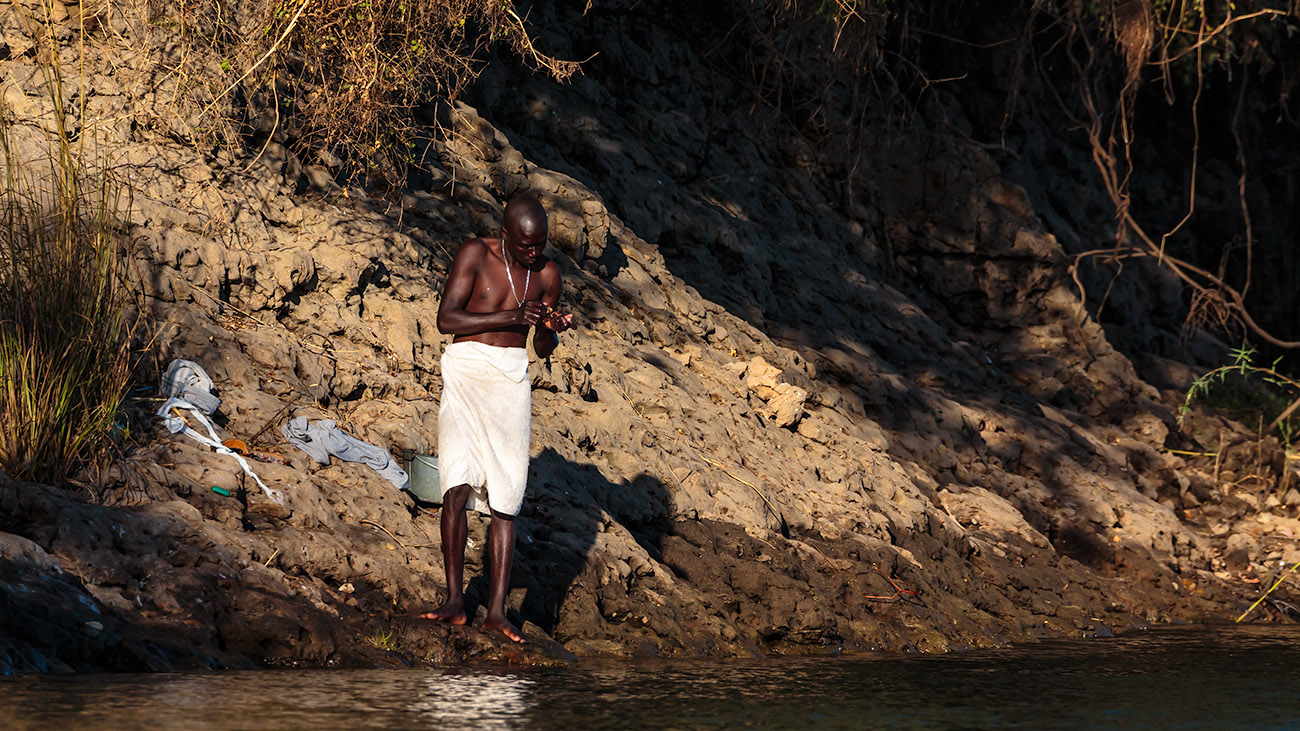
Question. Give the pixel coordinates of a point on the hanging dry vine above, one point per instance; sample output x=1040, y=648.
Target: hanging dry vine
x=1131, y=26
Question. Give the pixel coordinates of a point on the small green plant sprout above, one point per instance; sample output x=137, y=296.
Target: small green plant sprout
x=383, y=641
x=1243, y=386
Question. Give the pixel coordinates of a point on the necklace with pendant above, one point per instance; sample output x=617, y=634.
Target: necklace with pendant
x=511, y=279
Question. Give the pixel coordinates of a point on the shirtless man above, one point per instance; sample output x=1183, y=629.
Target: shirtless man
x=497, y=290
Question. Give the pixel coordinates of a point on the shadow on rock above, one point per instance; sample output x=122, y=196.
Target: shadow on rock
x=572, y=513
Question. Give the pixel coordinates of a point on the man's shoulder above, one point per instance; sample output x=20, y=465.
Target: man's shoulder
x=550, y=268
x=474, y=249
x=479, y=243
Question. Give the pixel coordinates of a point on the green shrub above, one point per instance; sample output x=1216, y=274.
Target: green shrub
x=65, y=357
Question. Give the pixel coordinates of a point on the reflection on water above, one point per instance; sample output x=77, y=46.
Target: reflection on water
x=473, y=701
x=270, y=699
x=1241, y=677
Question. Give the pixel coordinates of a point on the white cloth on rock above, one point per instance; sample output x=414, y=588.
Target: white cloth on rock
x=187, y=380
x=323, y=438
x=484, y=424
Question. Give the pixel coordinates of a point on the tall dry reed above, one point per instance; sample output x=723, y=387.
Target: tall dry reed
x=65, y=358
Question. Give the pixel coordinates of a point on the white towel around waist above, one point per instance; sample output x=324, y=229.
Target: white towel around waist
x=484, y=424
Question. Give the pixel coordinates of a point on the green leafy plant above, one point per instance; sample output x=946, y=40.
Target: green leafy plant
x=383, y=641
x=1242, y=385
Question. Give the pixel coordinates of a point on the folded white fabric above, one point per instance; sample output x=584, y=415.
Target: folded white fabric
x=187, y=380
x=323, y=438
x=177, y=425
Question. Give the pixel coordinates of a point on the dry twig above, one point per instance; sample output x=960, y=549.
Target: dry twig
x=382, y=528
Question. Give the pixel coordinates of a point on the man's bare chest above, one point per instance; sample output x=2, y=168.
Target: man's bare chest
x=494, y=294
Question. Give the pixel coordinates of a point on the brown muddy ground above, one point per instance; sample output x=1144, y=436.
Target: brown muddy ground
x=781, y=414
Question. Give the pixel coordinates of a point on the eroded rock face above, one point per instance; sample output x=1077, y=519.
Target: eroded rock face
x=765, y=433
x=777, y=401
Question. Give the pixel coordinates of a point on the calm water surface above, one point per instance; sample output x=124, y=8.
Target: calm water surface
x=1237, y=677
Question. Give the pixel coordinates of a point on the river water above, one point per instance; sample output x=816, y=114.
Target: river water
x=1210, y=678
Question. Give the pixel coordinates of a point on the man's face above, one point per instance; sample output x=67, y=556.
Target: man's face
x=524, y=246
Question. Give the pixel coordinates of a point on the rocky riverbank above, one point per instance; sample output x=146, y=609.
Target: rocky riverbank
x=779, y=417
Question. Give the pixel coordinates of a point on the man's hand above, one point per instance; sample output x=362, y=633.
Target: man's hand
x=557, y=321
x=531, y=312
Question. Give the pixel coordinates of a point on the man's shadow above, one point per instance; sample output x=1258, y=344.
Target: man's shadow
x=566, y=507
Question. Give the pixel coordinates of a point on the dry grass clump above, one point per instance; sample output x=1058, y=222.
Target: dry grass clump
x=65, y=360
x=343, y=77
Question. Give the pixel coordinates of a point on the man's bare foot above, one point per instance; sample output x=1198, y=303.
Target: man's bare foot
x=504, y=627
x=453, y=612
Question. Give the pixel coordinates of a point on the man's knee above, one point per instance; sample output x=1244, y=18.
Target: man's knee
x=456, y=497
x=503, y=516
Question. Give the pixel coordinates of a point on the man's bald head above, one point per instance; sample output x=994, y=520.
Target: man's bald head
x=525, y=219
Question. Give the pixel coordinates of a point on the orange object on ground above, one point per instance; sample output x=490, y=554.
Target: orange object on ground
x=270, y=457
x=235, y=445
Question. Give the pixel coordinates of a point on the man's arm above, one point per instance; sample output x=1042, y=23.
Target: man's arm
x=454, y=319
x=546, y=333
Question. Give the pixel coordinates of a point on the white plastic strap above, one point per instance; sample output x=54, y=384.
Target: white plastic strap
x=177, y=425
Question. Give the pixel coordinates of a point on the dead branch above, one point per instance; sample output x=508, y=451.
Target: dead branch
x=1204, y=38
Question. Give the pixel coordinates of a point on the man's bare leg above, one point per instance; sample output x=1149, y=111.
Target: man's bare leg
x=455, y=530
x=503, y=552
